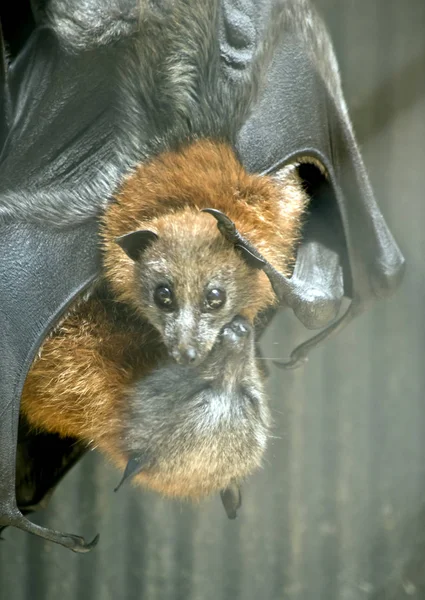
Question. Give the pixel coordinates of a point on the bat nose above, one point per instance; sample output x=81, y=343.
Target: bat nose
x=186, y=355
x=189, y=355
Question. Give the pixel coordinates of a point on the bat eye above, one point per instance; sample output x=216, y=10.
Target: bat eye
x=164, y=297
x=216, y=298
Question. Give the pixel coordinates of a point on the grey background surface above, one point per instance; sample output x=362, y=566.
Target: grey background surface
x=338, y=511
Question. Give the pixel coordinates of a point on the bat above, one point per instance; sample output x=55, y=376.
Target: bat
x=85, y=101
x=182, y=291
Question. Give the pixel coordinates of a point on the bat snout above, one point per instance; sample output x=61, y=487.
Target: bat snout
x=187, y=355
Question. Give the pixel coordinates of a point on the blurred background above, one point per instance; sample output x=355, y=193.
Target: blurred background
x=338, y=510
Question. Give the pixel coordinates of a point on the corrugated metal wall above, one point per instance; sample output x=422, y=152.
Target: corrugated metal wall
x=338, y=512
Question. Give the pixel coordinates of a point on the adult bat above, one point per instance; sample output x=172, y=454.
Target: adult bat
x=100, y=87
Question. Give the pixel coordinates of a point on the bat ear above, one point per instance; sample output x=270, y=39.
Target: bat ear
x=136, y=242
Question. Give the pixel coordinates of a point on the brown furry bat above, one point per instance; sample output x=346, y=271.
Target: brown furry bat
x=175, y=292
x=156, y=365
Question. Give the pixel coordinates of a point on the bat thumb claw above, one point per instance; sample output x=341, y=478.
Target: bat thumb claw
x=295, y=362
x=231, y=498
x=134, y=466
x=225, y=225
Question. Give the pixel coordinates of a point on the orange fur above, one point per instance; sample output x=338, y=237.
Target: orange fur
x=75, y=386
x=267, y=211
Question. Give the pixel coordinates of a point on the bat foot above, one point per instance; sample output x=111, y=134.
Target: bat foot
x=68, y=540
x=236, y=330
x=236, y=338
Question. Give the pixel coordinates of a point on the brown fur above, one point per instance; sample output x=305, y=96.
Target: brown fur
x=75, y=386
x=266, y=210
x=78, y=385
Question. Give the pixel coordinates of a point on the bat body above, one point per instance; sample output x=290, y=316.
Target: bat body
x=88, y=368
x=115, y=117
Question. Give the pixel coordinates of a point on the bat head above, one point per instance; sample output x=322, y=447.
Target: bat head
x=177, y=269
x=188, y=282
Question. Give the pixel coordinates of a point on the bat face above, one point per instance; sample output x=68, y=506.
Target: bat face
x=168, y=260
x=189, y=282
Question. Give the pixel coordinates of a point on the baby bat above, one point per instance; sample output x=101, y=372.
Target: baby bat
x=178, y=291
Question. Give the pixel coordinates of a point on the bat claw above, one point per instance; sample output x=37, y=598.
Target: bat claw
x=228, y=229
x=224, y=224
x=295, y=362
x=135, y=464
x=75, y=543
x=231, y=498
x=80, y=545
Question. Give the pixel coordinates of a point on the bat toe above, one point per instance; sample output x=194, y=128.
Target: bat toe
x=237, y=331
